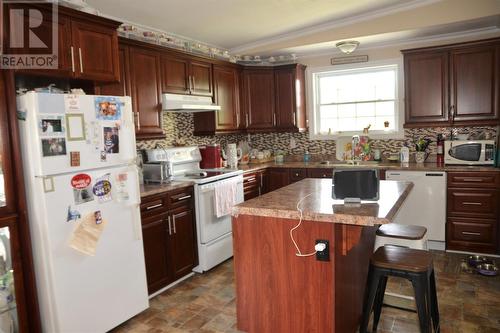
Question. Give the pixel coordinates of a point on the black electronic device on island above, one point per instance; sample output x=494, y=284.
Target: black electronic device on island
x=353, y=185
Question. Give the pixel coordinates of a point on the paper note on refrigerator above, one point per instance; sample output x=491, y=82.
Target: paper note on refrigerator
x=87, y=233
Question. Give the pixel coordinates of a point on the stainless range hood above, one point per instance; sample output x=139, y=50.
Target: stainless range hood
x=188, y=103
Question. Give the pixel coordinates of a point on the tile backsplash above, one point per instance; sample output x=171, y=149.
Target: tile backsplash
x=181, y=125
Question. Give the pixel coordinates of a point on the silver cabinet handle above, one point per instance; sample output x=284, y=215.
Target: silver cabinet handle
x=72, y=59
x=472, y=203
x=246, y=120
x=193, y=82
x=184, y=197
x=81, y=61
x=274, y=118
x=251, y=180
x=177, y=215
x=471, y=233
x=294, y=118
x=138, y=120
x=169, y=225
x=474, y=180
x=154, y=206
x=189, y=83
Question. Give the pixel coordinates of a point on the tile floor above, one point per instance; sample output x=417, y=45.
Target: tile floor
x=206, y=303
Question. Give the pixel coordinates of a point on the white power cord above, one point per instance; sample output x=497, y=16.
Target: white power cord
x=318, y=247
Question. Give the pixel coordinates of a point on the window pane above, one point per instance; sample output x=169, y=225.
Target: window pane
x=326, y=90
x=363, y=122
x=347, y=124
x=328, y=111
x=384, y=108
x=347, y=110
x=329, y=123
x=365, y=109
x=386, y=85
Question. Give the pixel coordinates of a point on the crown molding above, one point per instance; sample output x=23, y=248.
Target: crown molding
x=331, y=25
x=442, y=37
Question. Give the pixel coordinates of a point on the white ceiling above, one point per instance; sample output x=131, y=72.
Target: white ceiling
x=270, y=27
x=234, y=23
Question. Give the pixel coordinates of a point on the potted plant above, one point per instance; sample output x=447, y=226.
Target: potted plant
x=421, y=146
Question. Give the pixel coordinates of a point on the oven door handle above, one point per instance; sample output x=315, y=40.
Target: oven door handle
x=211, y=188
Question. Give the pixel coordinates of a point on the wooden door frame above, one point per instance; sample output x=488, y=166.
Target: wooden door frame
x=28, y=311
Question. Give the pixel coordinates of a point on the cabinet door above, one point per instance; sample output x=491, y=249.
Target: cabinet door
x=121, y=88
x=95, y=52
x=44, y=33
x=183, y=246
x=474, y=84
x=426, y=87
x=155, y=234
x=259, y=99
x=277, y=178
x=201, y=78
x=175, y=73
x=146, y=92
x=285, y=98
x=226, y=95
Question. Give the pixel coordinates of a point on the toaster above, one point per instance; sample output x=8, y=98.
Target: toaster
x=157, y=172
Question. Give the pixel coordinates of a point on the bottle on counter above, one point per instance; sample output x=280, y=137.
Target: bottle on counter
x=307, y=156
x=440, y=149
x=404, y=155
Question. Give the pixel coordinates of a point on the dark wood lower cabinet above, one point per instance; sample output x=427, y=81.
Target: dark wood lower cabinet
x=277, y=178
x=472, y=212
x=169, y=236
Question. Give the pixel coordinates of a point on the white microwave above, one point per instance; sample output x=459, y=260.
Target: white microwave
x=478, y=152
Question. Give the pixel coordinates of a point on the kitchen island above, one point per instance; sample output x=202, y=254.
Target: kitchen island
x=278, y=291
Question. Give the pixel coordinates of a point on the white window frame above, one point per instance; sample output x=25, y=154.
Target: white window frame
x=312, y=75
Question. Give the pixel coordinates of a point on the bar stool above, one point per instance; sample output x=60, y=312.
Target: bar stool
x=414, y=265
x=412, y=236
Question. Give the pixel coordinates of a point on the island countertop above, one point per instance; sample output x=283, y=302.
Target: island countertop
x=317, y=203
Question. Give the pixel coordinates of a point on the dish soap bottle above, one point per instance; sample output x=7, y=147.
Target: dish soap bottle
x=404, y=155
x=307, y=156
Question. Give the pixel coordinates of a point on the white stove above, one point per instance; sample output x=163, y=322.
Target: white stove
x=215, y=241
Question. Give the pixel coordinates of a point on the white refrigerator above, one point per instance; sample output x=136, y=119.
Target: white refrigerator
x=83, y=199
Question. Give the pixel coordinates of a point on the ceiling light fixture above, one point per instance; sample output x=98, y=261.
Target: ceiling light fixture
x=347, y=46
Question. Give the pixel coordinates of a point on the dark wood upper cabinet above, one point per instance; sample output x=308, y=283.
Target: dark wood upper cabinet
x=201, y=78
x=453, y=85
x=426, y=87
x=183, y=75
x=121, y=88
x=87, y=44
x=146, y=91
x=175, y=75
x=96, y=49
x=290, y=97
x=258, y=95
x=226, y=95
x=475, y=83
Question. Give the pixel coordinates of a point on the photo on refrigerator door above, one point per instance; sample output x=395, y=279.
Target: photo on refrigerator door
x=108, y=108
x=51, y=125
x=83, y=195
x=111, y=140
x=53, y=147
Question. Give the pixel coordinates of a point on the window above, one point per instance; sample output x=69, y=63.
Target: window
x=347, y=101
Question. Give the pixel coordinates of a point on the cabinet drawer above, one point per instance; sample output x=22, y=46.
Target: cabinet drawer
x=251, y=180
x=473, y=203
x=319, y=173
x=181, y=197
x=251, y=193
x=476, y=231
x=474, y=179
x=154, y=204
x=297, y=174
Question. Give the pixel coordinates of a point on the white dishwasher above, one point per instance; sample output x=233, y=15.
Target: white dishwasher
x=425, y=205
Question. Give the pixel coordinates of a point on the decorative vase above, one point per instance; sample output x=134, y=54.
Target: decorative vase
x=420, y=156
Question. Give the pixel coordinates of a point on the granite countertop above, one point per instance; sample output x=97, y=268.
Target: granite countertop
x=319, y=205
x=150, y=189
x=383, y=165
